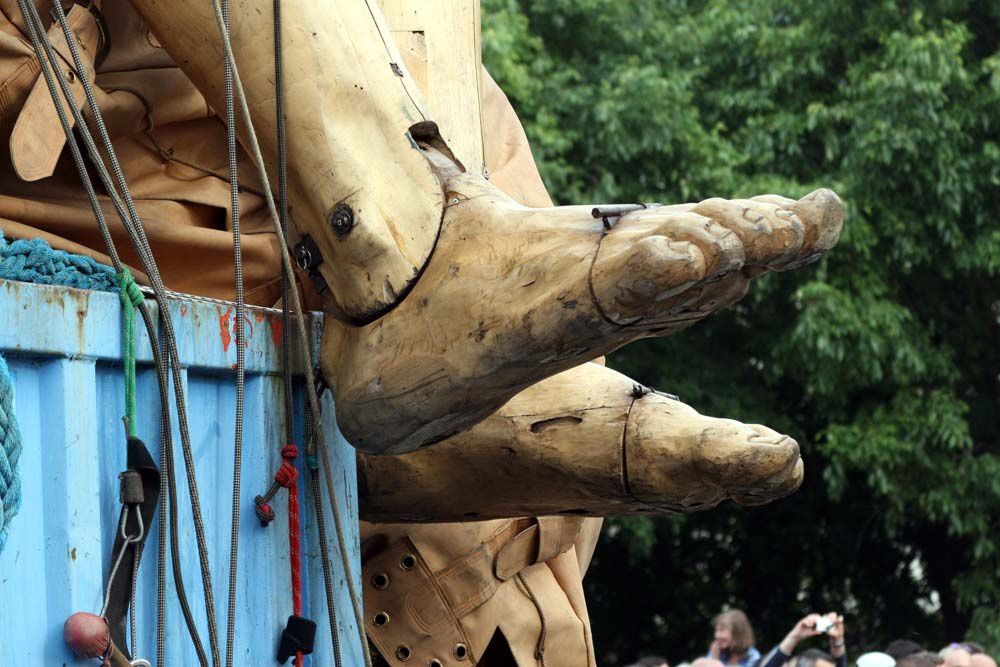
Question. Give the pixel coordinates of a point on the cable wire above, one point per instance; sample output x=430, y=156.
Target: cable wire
x=133, y=226
x=324, y=550
x=149, y=264
x=234, y=192
x=286, y=263
x=294, y=520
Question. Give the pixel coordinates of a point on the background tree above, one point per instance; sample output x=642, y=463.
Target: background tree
x=883, y=360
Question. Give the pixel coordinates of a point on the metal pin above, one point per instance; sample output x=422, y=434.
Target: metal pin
x=611, y=212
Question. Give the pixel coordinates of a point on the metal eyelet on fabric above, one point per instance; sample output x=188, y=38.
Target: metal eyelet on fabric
x=381, y=581
x=435, y=663
x=407, y=562
x=380, y=619
x=461, y=651
x=403, y=653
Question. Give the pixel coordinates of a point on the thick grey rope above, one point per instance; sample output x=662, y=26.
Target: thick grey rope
x=152, y=271
x=168, y=501
x=279, y=112
x=286, y=285
x=234, y=193
x=35, y=33
x=324, y=550
x=44, y=49
x=286, y=263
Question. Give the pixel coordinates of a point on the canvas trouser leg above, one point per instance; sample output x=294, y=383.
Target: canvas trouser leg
x=433, y=592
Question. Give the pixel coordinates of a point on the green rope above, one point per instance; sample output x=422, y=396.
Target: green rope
x=131, y=297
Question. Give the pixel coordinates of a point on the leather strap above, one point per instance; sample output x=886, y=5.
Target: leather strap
x=138, y=460
x=468, y=582
x=37, y=140
x=540, y=542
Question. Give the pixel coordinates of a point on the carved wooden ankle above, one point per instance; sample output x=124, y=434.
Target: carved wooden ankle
x=587, y=441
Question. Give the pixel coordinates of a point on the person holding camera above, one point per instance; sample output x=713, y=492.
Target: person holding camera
x=813, y=625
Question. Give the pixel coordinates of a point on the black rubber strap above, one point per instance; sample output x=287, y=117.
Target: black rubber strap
x=139, y=461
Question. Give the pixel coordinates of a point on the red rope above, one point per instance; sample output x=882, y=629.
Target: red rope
x=287, y=476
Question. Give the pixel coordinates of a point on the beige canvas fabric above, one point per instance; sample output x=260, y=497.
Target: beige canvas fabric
x=172, y=148
x=516, y=583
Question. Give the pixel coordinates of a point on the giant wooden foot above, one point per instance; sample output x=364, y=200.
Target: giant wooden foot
x=512, y=295
x=441, y=320
x=588, y=441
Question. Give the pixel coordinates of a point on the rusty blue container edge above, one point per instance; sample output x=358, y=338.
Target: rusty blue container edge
x=63, y=347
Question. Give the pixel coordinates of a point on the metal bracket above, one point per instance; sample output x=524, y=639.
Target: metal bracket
x=308, y=258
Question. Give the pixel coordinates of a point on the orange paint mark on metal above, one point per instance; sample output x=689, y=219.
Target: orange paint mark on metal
x=259, y=316
x=224, y=334
x=184, y=309
x=276, y=330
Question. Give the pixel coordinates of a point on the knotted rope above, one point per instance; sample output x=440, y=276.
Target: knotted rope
x=288, y=476
x=34, y=261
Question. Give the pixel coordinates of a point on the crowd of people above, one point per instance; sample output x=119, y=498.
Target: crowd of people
x=734, y=645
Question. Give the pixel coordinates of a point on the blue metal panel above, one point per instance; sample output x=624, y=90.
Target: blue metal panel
x=63, y=347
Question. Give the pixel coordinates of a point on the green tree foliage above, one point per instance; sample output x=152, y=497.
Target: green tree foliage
x=882, y=360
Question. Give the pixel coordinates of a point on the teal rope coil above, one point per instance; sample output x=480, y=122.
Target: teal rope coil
x=10, y=453
x=34, y=261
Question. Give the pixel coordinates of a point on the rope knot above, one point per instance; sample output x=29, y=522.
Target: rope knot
x=130, y=292
x=289, y=452
x=286, y=475
x=263, y=510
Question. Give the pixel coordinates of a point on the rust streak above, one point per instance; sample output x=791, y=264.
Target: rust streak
x=224, y=332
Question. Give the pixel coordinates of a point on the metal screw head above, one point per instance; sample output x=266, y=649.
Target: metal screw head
x=342, y=219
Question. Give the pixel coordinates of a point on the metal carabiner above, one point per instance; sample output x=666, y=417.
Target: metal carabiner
x=129, y=539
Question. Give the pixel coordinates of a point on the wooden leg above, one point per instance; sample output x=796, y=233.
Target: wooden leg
x=586, y=441
x=446, y=297
x=352, y=109
x=513, y=295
